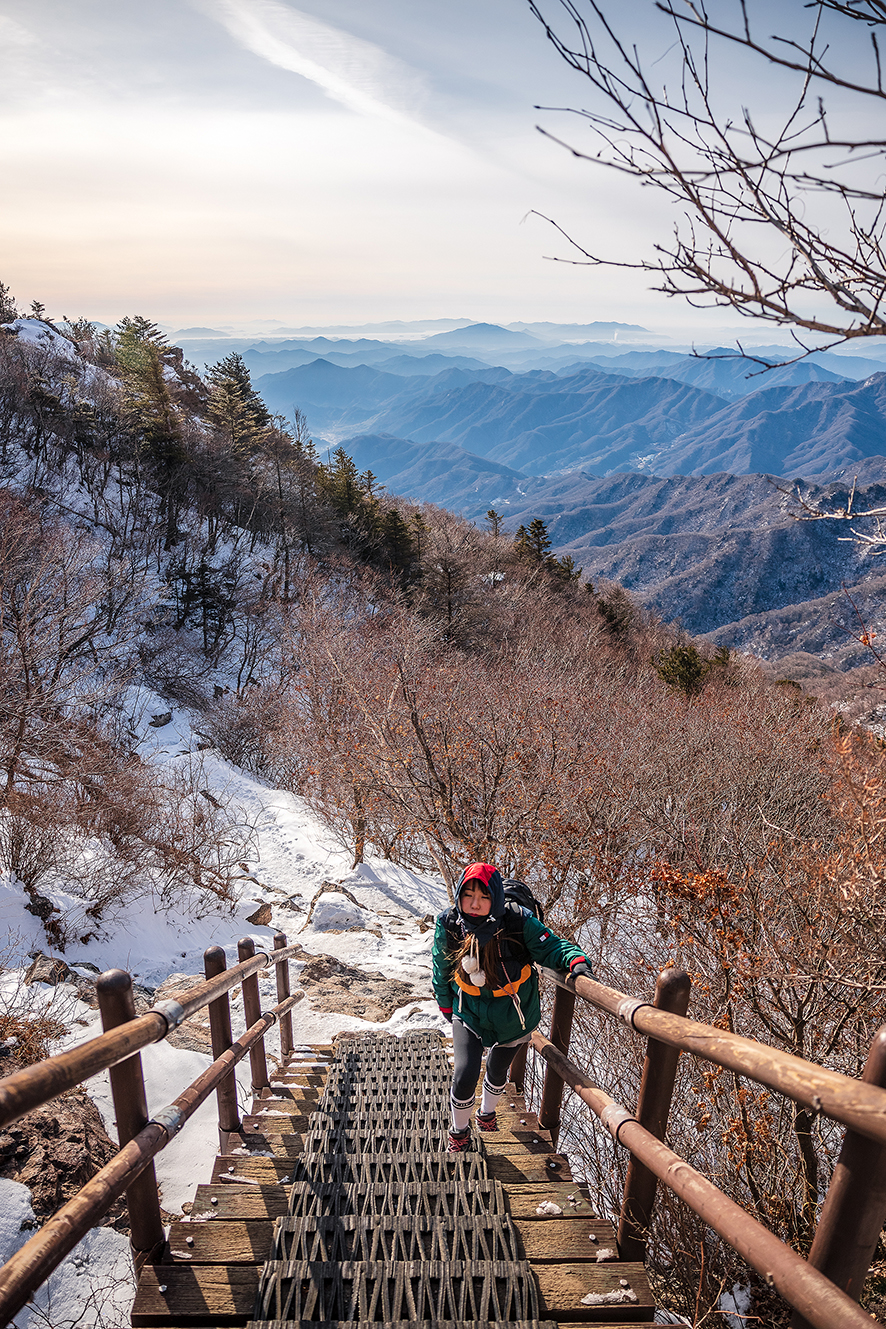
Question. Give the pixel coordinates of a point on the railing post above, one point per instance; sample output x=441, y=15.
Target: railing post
x=252, y=1011
x=552, y=1089
x=653, y=1105
x=117, y=1006
x=282, y=994
x=229, y=1123
x=854, y=1210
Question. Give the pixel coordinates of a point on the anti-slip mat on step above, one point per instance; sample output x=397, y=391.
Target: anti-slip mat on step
x=361, y=1117
x=376, y=1140
x=400, y=1324
x=326, y=1238
x=489, y=1291
x=426, y=1199
x=384, y=1224
x=465, y=1167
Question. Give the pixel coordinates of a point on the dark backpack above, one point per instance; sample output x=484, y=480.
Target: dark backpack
x=519, y=893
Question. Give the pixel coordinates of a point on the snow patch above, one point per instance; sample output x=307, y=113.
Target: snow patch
x=92, y=1288
x=333, y=912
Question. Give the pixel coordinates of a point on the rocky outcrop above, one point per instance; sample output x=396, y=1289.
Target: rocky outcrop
x=55, y=1150
x=345, y=990
x=51, y=969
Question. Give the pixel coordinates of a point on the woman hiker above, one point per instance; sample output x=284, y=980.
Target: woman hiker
x=486, y=985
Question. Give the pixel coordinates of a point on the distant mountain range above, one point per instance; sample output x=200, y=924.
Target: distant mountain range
x=652, y=468
x=417, y=336
x=585, y=418
x=707, y=550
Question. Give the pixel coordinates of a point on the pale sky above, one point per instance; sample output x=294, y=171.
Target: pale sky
x=212, y=161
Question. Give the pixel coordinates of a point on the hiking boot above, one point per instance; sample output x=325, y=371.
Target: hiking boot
x=459, y=1141
x=486, y=1121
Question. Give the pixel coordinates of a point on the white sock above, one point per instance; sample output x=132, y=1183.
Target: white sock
x=461, y=1114
x=491, y=1094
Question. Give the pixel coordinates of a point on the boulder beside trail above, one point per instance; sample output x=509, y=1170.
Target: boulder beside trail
x=47, y=969
x=55, y=1150
x=342, y=989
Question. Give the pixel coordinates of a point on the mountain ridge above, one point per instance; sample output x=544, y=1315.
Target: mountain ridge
x=543, y=421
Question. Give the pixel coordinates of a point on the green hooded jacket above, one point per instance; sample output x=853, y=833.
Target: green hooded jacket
x=522, y=940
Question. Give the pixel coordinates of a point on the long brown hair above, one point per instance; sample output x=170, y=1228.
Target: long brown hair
x=490, y=961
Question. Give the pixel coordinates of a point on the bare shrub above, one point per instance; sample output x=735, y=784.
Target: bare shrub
x=30, y=841
x=29, y=1037
x=67, y=625
x=196, y=844
x=243, y=726
x=173, y=665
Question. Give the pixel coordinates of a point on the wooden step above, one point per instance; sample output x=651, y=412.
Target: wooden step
x=295, y=1070
x=238, y=1241
x=572, y=1197
x=307, y=1066
x=264, y=1137
x=283, y=1146
x=219, y=1294
x=247, y=1241
x=235, y=1200
x=564, y=1286
x=556, y=1239
x=239, y=1202
x=510, y=1168
x=518, y=1167
x=195, y=1294
x=279, y=1123
x=283, y=1097
x=291, y=1090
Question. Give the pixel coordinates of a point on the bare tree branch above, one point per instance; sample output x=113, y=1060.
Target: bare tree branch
x=752, y=235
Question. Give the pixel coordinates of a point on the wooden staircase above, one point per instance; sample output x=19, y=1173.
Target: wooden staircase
x=374, y=1215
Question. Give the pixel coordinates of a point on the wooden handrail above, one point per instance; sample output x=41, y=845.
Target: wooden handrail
x=857, y=1104
x=44, y=1252
x=807, y=1290
x=35, y=1085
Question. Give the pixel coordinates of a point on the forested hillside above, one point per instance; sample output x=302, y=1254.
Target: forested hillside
x=440, y=692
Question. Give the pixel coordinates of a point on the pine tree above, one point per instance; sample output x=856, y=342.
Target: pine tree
x=419, y=533
x=618, y=612
x=397, y=539
x=143, y=355
x=494, y=520
x=533, y=545
x=305, y=468
x=538, y=539
x=234, y=406
x=8, y=310
x=341, y=483
x=683, y=667
x=564, y=568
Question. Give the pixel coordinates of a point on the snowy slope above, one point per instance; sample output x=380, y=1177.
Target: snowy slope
x=294, y=856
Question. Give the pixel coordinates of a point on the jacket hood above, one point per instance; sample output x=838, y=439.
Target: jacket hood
x=484, y=929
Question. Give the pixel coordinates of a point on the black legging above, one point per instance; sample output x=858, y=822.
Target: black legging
x=468, y=1049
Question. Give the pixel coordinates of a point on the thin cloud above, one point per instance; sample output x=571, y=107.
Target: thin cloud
x=353, y=72
x=14, y=34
